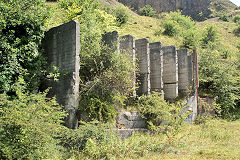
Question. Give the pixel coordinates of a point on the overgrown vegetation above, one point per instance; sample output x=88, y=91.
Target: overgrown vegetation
x=21, y=32
x=30, y=126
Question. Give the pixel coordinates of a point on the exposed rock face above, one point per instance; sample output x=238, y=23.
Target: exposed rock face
x=197, y=9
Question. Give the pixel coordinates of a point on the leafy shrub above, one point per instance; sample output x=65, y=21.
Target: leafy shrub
x=21, y=31
x=224, y=17
x=237, y=31
x=147, y=11
x=171, y=28
x=190, y=40
x=176, y=24
x=184, y=21
x=154, y=108
x=236, y=19
x=30, y=126
x=161, y=115
x=210, y=36
x=122, y=15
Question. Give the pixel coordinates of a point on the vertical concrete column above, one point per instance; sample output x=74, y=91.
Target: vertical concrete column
x=62, y=48
x=127, y=45
x=195, y=69
x=184, y=71
x=170, y=72
x=156, y=67
x=111, y=39
x=143, y=58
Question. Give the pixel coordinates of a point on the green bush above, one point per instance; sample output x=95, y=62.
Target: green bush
x=171, y=28
x=176, y=24
x=184, y=22
x=147, y=11
x=210, y=36
x=122, y=15
x=160, y=115
x=21, y=30
x=224, y=17
x=236, y=19
x=237, y=31
x=30, y=127
x=190, y=40
x=154, y=108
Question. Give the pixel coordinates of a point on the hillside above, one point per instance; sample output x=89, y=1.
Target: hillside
x=197, y=9
x=146, y=27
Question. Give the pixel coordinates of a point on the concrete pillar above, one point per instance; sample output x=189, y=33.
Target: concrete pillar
x=127, y=45
x=156, y=67
x=111, y=39
x=143, y=58
x=185, y=70
x=170, y=72
x=62, y=48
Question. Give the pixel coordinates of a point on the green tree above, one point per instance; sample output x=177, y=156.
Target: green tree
x=21, y=32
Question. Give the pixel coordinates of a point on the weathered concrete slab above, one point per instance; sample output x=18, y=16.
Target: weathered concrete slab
x=156, y=67
x=184, y=71
x=143, y=58
x=111, y=39
x=170, y=64
x=62, y=48
x=127, y=45
x=170, y=72
x=170, y=91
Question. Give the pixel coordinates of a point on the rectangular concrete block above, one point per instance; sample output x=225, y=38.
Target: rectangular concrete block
x=170, y=72
x=170, y=64
x=170, y=91
x=143, y=59
x=127, y=45
x=111, y=39
x=156, y=67
x=184, y=71
x=62, y=48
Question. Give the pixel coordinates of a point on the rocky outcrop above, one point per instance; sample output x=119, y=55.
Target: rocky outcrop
x=197, y=9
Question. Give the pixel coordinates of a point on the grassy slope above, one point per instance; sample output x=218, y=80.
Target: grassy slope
x=145, y=27
x=216, y=139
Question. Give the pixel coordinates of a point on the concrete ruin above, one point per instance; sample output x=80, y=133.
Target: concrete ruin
x=62, y=48
x=162, y=69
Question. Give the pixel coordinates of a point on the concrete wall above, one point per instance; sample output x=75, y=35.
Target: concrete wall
x=127, y=45
x=170, y=72
x=185, y=71
x=156, y=67
x=62, y=48
x=143, y=59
